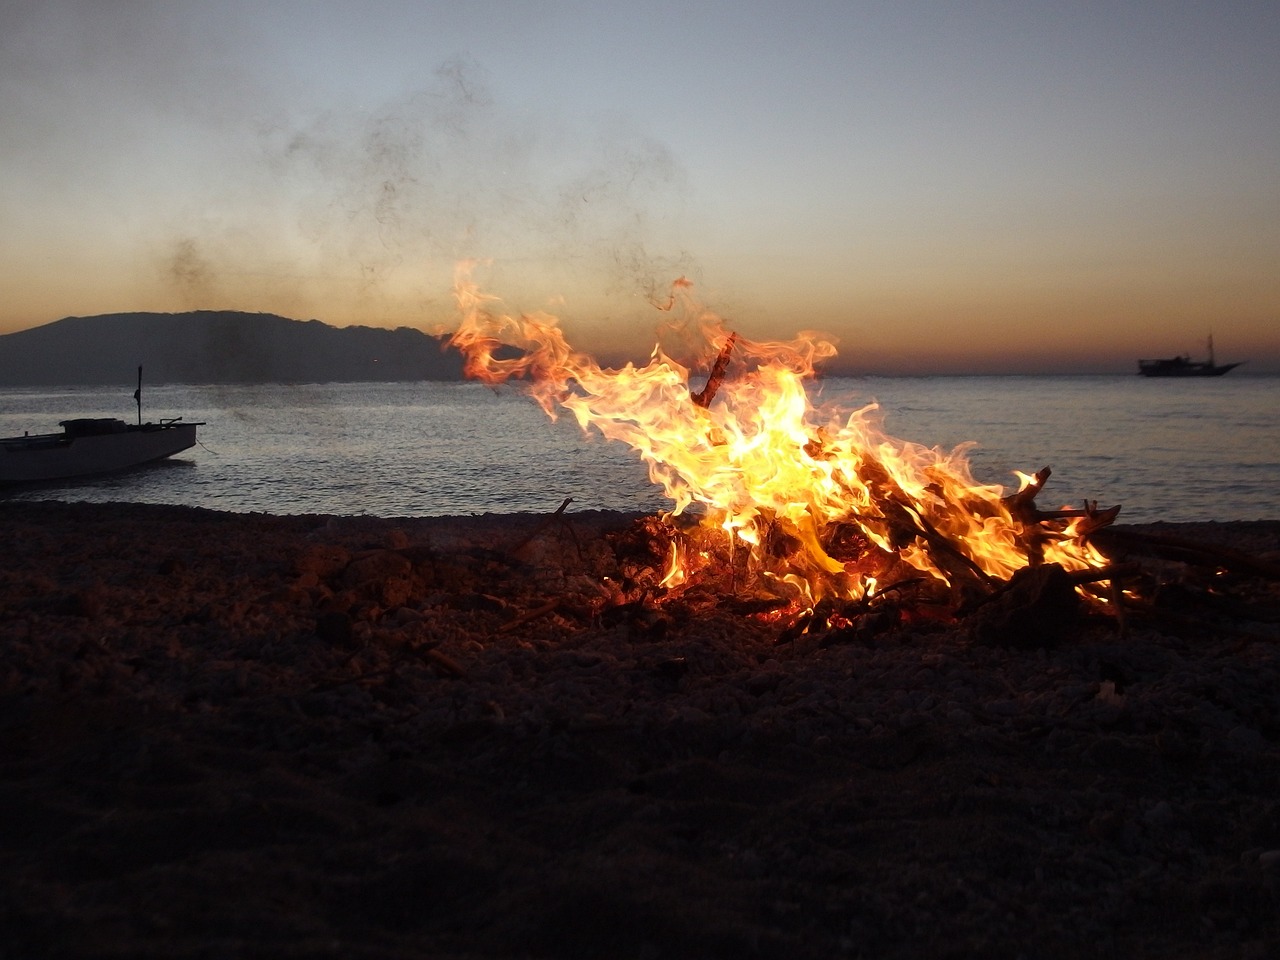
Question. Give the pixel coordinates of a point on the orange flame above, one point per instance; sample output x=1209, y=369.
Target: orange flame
x=747, y=451
x=677, y=573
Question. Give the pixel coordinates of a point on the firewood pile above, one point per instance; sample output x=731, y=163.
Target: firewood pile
x=583, y=580
x=1151, y=580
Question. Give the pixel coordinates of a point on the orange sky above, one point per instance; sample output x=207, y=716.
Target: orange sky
x=985, y=188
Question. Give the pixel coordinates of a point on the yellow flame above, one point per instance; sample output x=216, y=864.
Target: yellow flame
x=676, y=573
x=752, y=457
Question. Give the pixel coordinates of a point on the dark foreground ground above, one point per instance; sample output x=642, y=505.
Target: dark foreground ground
x=226, y=735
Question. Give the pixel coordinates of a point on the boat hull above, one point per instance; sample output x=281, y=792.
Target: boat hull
x=1174, y=368
x=65, y=456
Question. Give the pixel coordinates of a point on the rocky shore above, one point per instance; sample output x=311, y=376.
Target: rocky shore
x=228, y=735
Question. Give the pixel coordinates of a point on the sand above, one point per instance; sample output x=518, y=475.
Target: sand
x=234, y=735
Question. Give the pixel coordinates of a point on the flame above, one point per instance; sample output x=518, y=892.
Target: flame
x=749, y=453
x=677, y=571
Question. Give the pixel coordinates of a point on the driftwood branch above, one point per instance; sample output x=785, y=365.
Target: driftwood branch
x=1187, y=551
x=557, y=517
x=529, y=615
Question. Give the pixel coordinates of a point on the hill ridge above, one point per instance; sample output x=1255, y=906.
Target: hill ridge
x=218, y=346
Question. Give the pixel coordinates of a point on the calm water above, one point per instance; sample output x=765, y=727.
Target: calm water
x=1172, y=450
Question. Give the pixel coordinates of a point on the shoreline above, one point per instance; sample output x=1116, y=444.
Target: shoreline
x=293, y=735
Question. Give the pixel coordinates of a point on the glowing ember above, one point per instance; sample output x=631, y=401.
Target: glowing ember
x=820, y=510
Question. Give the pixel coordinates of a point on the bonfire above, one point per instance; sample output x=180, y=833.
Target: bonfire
x=818, y=519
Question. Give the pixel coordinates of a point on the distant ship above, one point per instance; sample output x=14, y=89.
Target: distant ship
x=1184, y=366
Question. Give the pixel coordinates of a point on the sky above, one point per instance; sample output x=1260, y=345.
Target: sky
x=945, y=187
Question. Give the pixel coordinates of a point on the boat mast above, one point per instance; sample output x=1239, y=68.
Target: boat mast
x=137, y=395
x=1211, y=360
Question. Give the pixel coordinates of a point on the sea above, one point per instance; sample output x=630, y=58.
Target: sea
x=1171, y=450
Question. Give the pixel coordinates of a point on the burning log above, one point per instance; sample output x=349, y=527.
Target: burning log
x=704, y=396
x=908, y=525
x=1022, y=504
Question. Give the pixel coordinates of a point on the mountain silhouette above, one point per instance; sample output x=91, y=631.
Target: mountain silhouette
x=218, y=346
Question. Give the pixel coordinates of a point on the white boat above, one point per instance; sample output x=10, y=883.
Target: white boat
x=89, y=446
